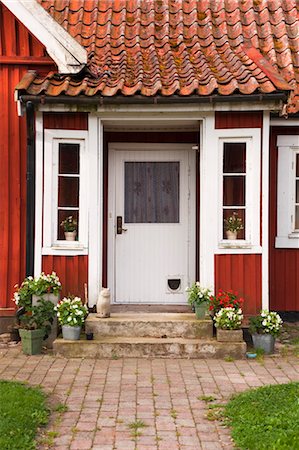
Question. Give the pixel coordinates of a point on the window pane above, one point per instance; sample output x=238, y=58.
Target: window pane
x=241, y=215
x=297, y=165
x=234, y=157
x=68, y=191
x=234, y=191
x=69, y=158
x=62, y=215
x=152, y=192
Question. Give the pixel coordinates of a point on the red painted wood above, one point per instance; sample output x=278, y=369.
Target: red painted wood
x=66, y=121
x=283, y=263
x=238, y=119
x=72, y=271
x=15, y=42
x=242, y=273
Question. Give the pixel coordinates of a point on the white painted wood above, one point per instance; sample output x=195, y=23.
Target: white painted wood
x=67, y=53
x=265, y=208
x=289, y=122
x=52, y=246
x=95, y=208
x=288, y=147
x=38, y=193
x=147, y=254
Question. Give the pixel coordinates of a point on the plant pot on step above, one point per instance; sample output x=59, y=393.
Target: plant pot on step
x=71, y=333
x=265, y=342
x=48, y=342
x=229, y=335
x=201, y=310
x=70, y=235
x=32, y=341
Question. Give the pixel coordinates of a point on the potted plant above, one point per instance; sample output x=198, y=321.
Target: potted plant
x=264, y=328
x=71, y=314
x=198, y=297
x=69, y=226
x=46, y=287
x=225, y=299
x=228, y=324
x=232, y=225
x=35, y=326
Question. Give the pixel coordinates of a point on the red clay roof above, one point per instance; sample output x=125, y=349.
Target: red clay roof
x=183, y=47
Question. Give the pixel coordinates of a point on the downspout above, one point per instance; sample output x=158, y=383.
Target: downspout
x=30, y=185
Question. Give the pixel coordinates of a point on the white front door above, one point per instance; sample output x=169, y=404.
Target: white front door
x=151, y=222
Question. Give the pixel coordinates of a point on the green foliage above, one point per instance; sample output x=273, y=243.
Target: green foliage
x=225, y=299
x=40, y=318
x=71, y=311
x=69, y=224
x=198, y=294
x=266, y=323
x=233, y=223
x=44, y=284
x=207, y=398
x=228, y=319
x=265, y=418
x=22, y=412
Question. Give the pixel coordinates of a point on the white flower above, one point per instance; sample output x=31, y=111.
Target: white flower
x=69, y=319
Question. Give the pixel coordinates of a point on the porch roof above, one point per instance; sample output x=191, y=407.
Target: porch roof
x=177, y=47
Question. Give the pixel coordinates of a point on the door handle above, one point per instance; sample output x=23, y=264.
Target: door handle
x=119, y=225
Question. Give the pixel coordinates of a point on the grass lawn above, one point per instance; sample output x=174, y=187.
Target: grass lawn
x=265, y=418
x=22, y=411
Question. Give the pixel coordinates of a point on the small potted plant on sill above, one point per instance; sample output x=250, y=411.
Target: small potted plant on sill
x=46, y=287
x=35, y=326
x=69, y=226
x=228, y=325
x=232, y=225
x=71, y=314
x=264, y=328
x=198, y=297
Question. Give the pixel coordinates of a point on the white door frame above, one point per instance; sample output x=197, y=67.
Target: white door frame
x=112, y=151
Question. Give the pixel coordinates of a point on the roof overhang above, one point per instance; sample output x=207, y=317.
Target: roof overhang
x=67, y=53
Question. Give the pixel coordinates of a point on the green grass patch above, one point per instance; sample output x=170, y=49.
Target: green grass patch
x=265, y=418
x=22, y=411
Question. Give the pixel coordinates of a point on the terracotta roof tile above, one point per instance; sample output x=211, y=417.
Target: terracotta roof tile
x=186, y=47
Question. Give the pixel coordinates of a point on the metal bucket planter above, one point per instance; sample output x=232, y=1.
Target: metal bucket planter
x=32, y=341
x=53, y=333
x=201, y=310
x=265, y=342
x=71, y=333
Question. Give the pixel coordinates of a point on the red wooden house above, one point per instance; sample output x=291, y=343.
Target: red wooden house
x=150, y=123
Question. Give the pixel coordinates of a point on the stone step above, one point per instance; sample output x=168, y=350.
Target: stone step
x=155, y=325
x=141, y=347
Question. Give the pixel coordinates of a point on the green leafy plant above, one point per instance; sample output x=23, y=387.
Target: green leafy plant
x=268, y=322
x=197, y=294
x=69, y=224
x=71, y=311
x=225, y=299
x=228, y=319
x=39, y=317
x=233, y=223
x=43, y=284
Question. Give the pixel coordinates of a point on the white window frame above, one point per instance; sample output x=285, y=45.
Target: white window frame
x=51, y=245
x=288, y=148
x=252, y=139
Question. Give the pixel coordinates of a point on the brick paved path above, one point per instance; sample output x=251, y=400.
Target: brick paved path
x=104, y=396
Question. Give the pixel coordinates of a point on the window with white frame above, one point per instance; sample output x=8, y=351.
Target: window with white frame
x=239, y=189
x=288, y=192
x=65, y=190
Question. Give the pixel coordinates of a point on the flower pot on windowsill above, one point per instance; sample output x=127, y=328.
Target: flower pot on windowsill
x=70, y=235
x=229, y=335
x=231, y=235
x=48, y=342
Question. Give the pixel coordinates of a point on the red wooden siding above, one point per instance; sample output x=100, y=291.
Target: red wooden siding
x=66, y=121
x=72, y=271
x=283, y=263
x=19, y=52
x=242, y=273
x=238, y=119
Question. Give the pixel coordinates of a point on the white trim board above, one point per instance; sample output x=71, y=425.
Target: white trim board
x=67, y=53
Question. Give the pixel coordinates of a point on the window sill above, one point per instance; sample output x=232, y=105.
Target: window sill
x=66, y=249
x=231, y=246
x=290, y=241
x=237, y=243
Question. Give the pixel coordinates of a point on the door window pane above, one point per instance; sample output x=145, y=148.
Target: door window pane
x=152, y=192
x=234, y=191
x=69, y=158
x=234, y=157
x=239, y=213
x=68, y=191
x=62, y=215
